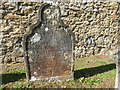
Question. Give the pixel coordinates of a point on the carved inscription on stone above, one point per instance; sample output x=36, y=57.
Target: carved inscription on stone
x=49, y=47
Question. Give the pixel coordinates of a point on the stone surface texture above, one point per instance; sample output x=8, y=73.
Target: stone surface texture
x=95, y=25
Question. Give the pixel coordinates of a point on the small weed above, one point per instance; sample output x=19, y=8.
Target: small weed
x=74, y=86
x=63, y=86
x=16, y=71
x=21, y=84
x=92, y=81
x=29, y=86
x=18, y=85
x=2, y=87
x=110, y=60
x=73, y=82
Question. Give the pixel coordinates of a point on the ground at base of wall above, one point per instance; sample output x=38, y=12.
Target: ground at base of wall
x=90, y=72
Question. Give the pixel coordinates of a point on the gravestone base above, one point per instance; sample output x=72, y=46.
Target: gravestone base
x=53, y=79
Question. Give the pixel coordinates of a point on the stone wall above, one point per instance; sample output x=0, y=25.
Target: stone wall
x=95, y=25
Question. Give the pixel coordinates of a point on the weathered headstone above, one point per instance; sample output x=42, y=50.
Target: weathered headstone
x=115, y=56
x=49, y=47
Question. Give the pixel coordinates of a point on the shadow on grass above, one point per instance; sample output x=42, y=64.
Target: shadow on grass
x=11, y=77
x=88, y=72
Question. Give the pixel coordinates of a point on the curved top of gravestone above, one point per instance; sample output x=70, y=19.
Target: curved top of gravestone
x=49, y=12
x=46, y=14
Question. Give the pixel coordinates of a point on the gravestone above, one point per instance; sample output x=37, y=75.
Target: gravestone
x=49, y=47
x=115, y=56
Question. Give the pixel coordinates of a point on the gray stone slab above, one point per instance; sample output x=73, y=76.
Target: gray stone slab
x=49, y=47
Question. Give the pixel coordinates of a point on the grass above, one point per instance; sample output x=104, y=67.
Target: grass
x=2, y=87
x=16, y=71
x=21, y=84
x=13, y=75
x=89, y=72
x=110, y=73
